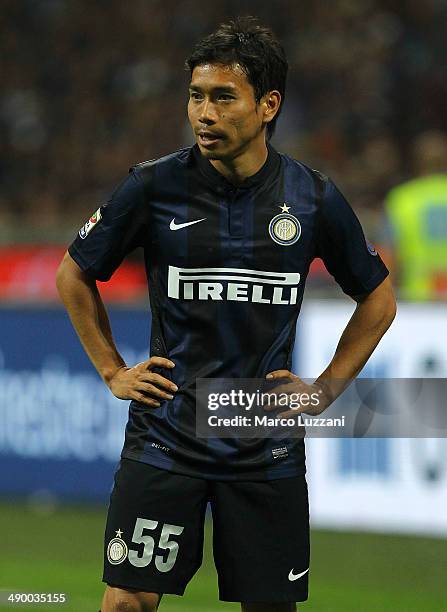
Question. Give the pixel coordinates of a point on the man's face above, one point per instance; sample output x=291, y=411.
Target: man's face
x=223, y=112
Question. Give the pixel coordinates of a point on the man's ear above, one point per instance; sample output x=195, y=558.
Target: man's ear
x=270, y=105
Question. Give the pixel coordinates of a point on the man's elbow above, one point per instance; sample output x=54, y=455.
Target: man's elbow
x=385, y=302
x=380, y=305
x=389, y=299
x=390, y=310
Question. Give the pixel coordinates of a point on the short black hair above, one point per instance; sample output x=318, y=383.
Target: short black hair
x=257, y=51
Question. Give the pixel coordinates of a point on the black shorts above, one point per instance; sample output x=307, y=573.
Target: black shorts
x=154, y=534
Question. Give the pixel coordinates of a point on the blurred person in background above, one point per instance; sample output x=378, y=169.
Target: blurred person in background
x=258, y=218
x=417, y=222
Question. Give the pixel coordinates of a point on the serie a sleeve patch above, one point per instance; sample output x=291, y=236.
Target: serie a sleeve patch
x=91, y=224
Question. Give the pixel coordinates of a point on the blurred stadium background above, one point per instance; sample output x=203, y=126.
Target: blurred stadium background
x=88, y=89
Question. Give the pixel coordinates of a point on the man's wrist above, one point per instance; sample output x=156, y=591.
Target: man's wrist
x=108, y=374
x=326, y=394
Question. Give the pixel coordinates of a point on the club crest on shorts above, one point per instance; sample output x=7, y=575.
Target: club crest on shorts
x=91, y=223
x=284, y=229
x=117, y=549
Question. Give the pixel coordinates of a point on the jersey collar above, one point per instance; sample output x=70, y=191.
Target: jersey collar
x=268, y=170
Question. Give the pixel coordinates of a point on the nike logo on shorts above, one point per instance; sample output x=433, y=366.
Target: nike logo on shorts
x=293, y=576
x=176, y=226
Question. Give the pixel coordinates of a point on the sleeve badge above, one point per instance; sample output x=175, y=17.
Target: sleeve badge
x=91, y=223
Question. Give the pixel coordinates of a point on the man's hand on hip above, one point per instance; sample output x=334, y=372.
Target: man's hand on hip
x=313, y=398
x=140, y=383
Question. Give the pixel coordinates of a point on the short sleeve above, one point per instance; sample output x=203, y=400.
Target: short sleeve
x=113, y=231
x=341, y=244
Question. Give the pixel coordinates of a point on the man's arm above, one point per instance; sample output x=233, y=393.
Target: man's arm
x=88, y=315
x=371, y=319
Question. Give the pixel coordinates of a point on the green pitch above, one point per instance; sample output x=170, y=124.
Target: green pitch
x=61, y=552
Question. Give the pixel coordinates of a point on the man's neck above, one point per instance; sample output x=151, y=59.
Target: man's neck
x=242, y=166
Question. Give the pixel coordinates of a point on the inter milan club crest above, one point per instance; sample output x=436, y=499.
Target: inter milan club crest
x=117, y=549
x=284, y=229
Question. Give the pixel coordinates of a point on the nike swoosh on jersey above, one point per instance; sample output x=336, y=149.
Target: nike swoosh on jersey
x=293, y=576
x=176, y=226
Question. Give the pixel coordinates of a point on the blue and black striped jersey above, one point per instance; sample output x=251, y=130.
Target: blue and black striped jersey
x=226, y=269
